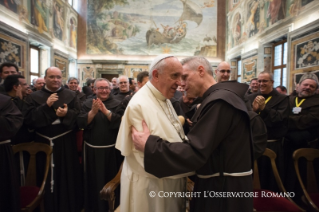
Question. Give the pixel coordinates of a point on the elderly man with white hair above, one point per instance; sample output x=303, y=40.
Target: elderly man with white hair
x=151, y=103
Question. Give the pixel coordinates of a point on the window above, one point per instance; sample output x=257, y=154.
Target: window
x=239, y=70
x=34, y=62
x=279, y=62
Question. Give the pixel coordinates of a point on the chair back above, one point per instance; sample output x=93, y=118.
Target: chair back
x=256, y=182
x=33, y=148
x=309, y=154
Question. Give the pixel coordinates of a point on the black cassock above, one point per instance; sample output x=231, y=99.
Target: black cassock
x=219, y=142
x=67, y=190
x=10, y=121
x=102, y=164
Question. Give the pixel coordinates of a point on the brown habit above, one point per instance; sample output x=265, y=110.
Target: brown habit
x=219, y=142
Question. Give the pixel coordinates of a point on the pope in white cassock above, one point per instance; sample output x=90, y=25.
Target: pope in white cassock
x=151, y=103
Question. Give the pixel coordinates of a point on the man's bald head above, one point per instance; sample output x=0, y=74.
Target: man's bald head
x=223, y=72
x=53, y=78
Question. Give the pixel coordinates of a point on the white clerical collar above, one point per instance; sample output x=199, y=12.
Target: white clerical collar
x=46, y=88
x=155, y=92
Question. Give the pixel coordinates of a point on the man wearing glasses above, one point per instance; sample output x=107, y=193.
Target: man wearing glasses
x=52, y=112
x=101, y=159
x=273, y=108
x=222, y=72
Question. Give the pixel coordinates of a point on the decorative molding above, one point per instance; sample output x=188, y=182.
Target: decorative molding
x=276, y=33
x=249, y=54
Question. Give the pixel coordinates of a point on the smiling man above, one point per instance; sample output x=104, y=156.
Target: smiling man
x=151, y=103
x=218, y=145
x=100, y=125
x=273, y=108
x=303, y=126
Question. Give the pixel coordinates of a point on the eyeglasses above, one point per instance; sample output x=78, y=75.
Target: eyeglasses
x=103, y=88
x=223, y=71
x=263, y=81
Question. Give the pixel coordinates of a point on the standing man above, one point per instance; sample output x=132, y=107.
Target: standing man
x=16, y=88
x=142, y=79
x=223, y=72
x=39, y=83
x=124, y=89
x=102, y=160
x=10, y=122
x=133, y=84
x=7, y=69
x=253, y=87
x=151, y=103
x=273, y=108
x=219, y=144
x=115, y=85
x=52, y=112
x=73, y=84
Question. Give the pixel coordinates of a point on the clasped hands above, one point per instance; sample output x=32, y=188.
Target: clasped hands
x=259, y=103
x=60, y=112
x=97, y=105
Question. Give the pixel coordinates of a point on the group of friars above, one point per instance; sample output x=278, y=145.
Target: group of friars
x=225, y=133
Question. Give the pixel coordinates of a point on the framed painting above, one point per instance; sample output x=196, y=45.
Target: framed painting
x=13, y=51
x=305, y=55
x=63, y=65
x=249, y=67
x=297, y=76
x=148, y=28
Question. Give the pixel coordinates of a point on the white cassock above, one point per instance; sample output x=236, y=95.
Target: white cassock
x=150, y=105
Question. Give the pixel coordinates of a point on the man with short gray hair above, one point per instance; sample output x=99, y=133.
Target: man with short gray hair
x=101, y=159
x=39, y=83
x=73, y=84
x=151, y=103
x=218, y=146
x=124, y=89
x=115, y=85
x=303, y=126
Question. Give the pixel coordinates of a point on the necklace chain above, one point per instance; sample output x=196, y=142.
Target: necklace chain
x=171, y=114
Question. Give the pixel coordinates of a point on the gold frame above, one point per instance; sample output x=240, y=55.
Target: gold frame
x=293, y=59
x=57, y=59
x=23, y=52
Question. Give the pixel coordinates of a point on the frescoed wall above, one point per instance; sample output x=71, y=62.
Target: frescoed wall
x=51, y=19
x=127, y=27
x=248, y=18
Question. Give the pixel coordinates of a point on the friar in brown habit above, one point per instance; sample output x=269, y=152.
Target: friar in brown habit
x=218, y=147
